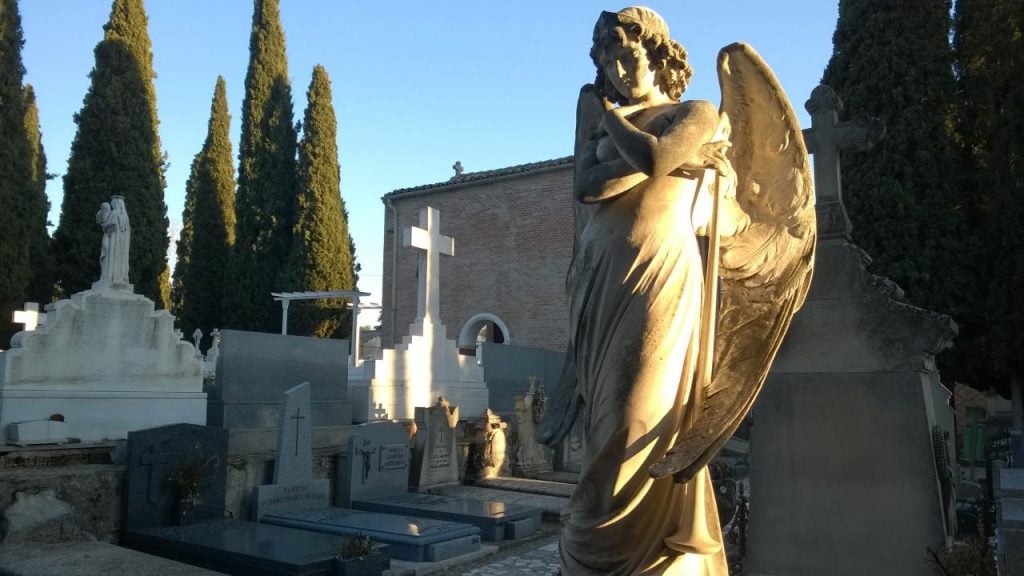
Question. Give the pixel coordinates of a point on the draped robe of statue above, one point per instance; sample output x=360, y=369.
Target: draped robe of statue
x=651, y=420
x=113, y=218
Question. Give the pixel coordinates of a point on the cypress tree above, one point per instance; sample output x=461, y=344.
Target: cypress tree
x=41, y=284
x=208, y=230
x=266, y=178
x=892, y=60
x=15, y=174
x=989, y=63
x=322, y=248
x=116, y=150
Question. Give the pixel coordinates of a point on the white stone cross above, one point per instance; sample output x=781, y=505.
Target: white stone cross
x=30, y=316
x=429, y=239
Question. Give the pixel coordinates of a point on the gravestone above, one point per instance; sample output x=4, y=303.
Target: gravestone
x=254, y=370
x=297, y=500
x=529, y=457
x=434, y=460
x=156, y=456
x=374, y=477
x=843, y=441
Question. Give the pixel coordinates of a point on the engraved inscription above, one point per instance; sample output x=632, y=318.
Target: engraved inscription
x=394, y=457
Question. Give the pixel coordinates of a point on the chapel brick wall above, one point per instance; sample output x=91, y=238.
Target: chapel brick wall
x=513, y=243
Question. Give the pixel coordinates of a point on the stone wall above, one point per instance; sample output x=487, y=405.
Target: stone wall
x=513, y=231
x=44, y=505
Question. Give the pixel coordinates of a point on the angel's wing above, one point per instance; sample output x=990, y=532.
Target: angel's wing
x=564, y=399
x=765, y=270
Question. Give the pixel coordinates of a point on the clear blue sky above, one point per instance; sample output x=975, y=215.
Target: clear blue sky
x=417, y=85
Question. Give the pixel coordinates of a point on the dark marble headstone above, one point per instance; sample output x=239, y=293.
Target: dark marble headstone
x=230, y=546
x=153, y=457
x=373, y=477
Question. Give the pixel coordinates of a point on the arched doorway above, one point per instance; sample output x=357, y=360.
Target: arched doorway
x=479, y=329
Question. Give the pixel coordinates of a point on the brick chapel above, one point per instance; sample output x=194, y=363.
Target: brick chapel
x=513, y=230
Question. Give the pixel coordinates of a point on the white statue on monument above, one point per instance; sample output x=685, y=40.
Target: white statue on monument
x=113, y=218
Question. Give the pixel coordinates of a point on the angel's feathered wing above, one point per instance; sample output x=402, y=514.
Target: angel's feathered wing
x=765, y=270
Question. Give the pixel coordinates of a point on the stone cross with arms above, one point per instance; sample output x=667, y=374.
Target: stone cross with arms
x=428, y=238
x=825, y=138
x=30, y=316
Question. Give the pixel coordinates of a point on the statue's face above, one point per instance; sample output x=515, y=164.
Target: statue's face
x=625, y=63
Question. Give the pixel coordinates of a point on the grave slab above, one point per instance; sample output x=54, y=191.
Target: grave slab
x=409, y=538
x=497, y=520
x=297, y=500
x=242, y=548
x=374, y=477
x=555, y=508
x=157, y=455
x=530, y=486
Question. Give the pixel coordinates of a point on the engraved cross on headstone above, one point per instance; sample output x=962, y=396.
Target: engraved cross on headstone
x=428, y=238
x=366, y=453
x=297, y=418
x=30, y=316
x=825, y=138
x=153, y=459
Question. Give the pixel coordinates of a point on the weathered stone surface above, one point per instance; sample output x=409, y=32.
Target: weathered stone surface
x=434, y=458
x=89, y=559
x=32, y=510
x=108, y=362
x=843, y=435
x=255, y=369
x=92, y=494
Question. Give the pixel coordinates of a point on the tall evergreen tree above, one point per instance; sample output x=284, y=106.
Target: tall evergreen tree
x=208, y=226
x=15, y=174
x=990, y=63
x=41, y=284
x=116, y=151
x=321, y=246
x=892, y=60
x=266, y=178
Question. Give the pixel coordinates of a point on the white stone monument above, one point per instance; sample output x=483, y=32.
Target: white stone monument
x=105, y=359
x=426, y=364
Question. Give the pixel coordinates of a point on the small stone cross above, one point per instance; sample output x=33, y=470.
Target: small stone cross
x=30, y=316
x=428, y=238
x=153, y=459
x=825, y=138
x=380, y=413
x=298, y=418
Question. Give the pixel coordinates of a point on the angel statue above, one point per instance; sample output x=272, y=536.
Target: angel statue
x=679, y=205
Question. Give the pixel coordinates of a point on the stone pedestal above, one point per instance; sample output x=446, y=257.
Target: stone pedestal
x=849, y=472
x=423, y=367
x=108, y=363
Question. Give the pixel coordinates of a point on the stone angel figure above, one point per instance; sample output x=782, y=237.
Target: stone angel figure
x=695, y=246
